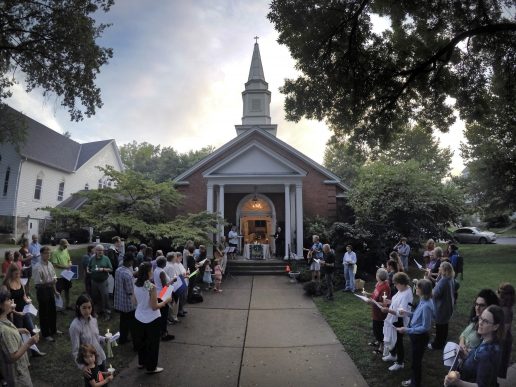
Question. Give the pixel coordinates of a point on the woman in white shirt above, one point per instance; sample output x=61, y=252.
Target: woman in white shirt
x=393, y=340
x=148, y=320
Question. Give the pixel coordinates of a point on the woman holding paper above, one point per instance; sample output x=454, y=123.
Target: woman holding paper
x=162, y=280
x=147, y=327
x=84, y=329
x=381, y=293
x=13, y=283
x=418, y=329
x=13, y=351
x=481, y=365
x=444, y=301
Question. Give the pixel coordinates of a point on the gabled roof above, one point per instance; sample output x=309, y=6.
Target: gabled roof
x=45, y=146
x=245, y=139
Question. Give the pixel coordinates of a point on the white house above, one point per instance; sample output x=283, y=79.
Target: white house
x=46, y=170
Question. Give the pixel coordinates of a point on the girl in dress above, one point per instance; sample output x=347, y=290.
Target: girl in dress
x=87, y=357
x=218, y=276
x=206, y=278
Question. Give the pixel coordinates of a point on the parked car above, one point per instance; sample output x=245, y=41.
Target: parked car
x=473, y=235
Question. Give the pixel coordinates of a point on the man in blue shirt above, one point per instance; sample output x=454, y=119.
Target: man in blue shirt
x=34, y=250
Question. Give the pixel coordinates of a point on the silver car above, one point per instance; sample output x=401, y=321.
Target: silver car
x=473, y=235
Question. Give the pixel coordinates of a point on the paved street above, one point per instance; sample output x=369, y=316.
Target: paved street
x=505, y=241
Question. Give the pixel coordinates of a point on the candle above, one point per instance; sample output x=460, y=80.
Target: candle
x=108, y=330
x=36, y=329
x=384, y=296
x=453, y=376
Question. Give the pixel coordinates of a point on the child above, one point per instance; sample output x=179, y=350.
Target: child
x=207, y=274
x=218, y=276
x=88, y=357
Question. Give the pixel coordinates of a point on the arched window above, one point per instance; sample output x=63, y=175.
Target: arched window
x=39, y=186
x=60, y=191
x=6, y=180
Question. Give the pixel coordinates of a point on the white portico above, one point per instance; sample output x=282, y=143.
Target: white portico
x=259, y=172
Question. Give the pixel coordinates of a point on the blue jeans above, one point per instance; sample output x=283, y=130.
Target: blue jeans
x=350, y=277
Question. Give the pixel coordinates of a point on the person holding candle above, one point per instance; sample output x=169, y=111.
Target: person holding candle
x=123, y=298
x=99, y=268
x=13, y=351
x=84, y=329
x=418, y=329
x=349, y=260
x=44, y=277
x=147, y=326
x=161, y=280
x=393, y=339
x=381, y=293
x=95, y=377
x=480, y=366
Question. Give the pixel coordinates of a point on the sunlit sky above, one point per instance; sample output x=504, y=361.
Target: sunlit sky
x=177, y=74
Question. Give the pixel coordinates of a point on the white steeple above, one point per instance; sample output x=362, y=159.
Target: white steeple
x=256, y=98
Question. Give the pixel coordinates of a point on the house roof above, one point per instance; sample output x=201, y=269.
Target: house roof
x=244, y=139
x=48, y=147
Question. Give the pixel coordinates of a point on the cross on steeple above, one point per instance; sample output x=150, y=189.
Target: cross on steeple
x=256, y=39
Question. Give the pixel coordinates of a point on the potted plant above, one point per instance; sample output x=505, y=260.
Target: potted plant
x=292, y=269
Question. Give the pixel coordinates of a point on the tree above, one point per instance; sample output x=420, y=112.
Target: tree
x=394, y=200
x=490, y=155
x=138, y=208
x=369, y=85
x=161, y=164
x=52, y=45
x=415, y=143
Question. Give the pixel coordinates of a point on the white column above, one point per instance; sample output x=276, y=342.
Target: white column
x=299, y=219
x=287, y=219
x=209, y=198
x=221, y=209
x=209, y=208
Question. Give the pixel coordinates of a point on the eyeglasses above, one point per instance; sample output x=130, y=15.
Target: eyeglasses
x=484, y=321
x=480, y=305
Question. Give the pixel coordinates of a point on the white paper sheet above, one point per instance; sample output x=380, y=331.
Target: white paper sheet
x=168, y=293
x=29, y=308
x=419, y=266
x=24, y=281
x=59, y=302
x=67, y=274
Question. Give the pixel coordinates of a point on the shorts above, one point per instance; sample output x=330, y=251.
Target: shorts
x=315, y=266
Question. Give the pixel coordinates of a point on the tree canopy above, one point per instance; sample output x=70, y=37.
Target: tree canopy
x=369, y=84
x=159, y=164
x=415, y=143
x=52, y=45
x=402, y=199
x=137, y=207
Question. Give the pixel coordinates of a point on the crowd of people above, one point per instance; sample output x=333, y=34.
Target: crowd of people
x=485, y=344
x=133, y=281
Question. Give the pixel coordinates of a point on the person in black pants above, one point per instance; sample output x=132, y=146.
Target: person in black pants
x=44, y=277
x=191, y=266
x=328, y=265
x=418, y=330
x=148, y=320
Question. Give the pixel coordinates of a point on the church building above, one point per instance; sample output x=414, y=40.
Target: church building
x=258, y=182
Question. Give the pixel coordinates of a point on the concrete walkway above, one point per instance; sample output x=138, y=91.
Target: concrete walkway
x=261, y=331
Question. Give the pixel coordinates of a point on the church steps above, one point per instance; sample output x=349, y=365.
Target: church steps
x=257, y=267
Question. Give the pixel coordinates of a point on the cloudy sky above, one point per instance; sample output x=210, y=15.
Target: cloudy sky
x=177, y=74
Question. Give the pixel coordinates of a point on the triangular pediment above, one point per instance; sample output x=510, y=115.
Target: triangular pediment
x=255, y=160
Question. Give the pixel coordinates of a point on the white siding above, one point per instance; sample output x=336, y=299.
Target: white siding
x=10, y=159
x=88, y=173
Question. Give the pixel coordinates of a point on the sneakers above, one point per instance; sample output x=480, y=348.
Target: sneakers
x=50, y=339
x=156, y=371
x=58, y=332
x=396, y=367
x=390, y=357
x=407, y=383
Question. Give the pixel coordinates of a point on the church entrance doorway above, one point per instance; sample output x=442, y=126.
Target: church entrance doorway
x=257, y=223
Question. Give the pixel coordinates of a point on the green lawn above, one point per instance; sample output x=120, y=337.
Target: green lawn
x=58, y=365
x=485, y=266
